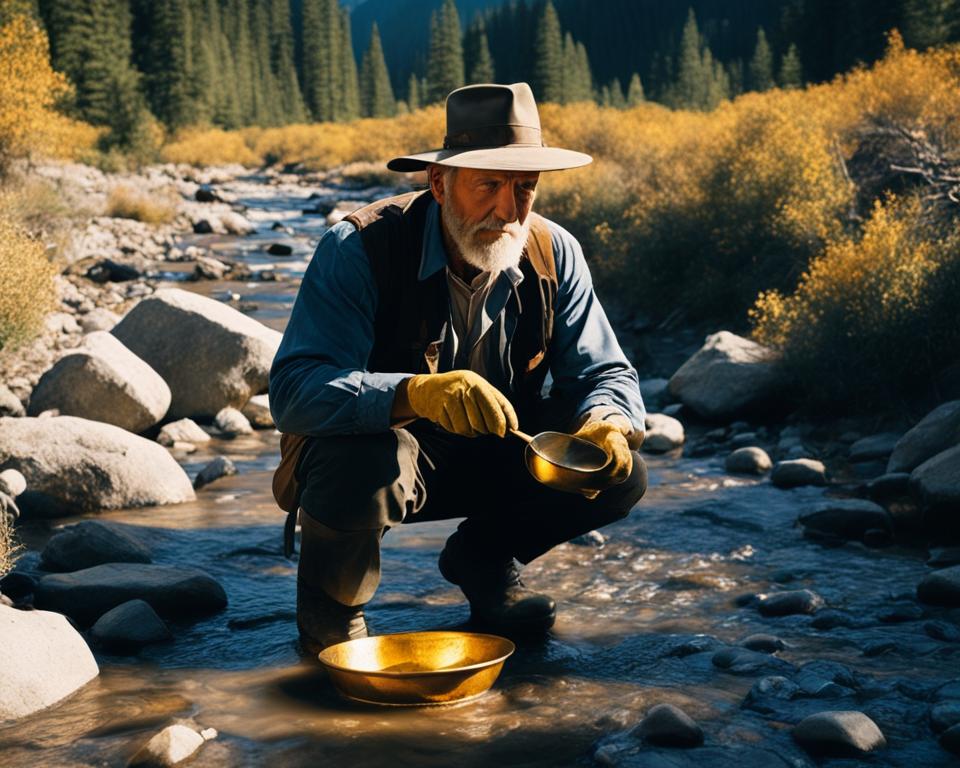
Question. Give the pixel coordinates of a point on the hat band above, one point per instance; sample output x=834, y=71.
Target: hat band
x=494, y=136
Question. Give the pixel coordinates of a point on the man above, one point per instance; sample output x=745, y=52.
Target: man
x=421, y=335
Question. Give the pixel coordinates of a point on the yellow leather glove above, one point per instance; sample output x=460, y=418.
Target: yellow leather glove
x=609, y=437
x=462, y=402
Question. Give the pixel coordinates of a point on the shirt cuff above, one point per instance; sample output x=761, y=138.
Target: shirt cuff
x=375, y=400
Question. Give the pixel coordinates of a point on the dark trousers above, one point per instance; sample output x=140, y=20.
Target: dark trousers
x=357, y=486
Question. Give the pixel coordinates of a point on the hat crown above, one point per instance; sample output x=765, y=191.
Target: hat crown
x=492, y=115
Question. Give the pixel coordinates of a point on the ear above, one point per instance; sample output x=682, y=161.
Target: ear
x=435, y=177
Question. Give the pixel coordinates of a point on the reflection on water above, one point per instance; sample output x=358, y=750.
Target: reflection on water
x=668, y=574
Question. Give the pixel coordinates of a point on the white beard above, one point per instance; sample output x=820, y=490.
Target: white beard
x=492, y=256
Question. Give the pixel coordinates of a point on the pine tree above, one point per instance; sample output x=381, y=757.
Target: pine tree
x=584, y=80
x=761, y=65
x=282, y=65
x=691, y=80
x=445, y=62
x=791, y=70
x=928, y=23
x=376, y=94
x=169, y=66
x=718, y=81
x=615, y=97
x=635, y=94
x=548, y=57
x=11, y=8
x=413, y=93
x=349, y=103
x=322, y=59
x=242, y=49
x=476, y=54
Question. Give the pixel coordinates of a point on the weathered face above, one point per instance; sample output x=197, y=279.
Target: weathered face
x=486, y=212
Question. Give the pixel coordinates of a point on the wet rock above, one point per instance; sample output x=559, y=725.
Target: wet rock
x=257, y=412
x=104, y=381
x=232, y=423
x=590, y=539
x=741, y=661
x=44, y=659
x=110, y=271
x=763, y=643
x=172, y=591
x=874, y=447
x=209, y=268
x=10, y=404
x=767, y=691
x=938, y=431
x=747, y=600
x=941, y=557
x=840, y=733
x=699, y=644
x=748, y=461
x=234, y=223
x=206, y=194
x=89, y=543
x=654, y=391
x=944, y=715
x=129, y=627
x=202, y=227
x=941, y=630
x=226, y=362
x=793, y=473
x=664, y=433
x=74, y=465
x=879, y=647
x=17, y=586
x=726, y=377
x=889, y=486
x=845, y=518
x=169, y=747
x=937, y=480
x=219, y=467
x=833, y=671
x=99, y=319
x=744, y=440
x=948, y=691
x=941, y=587
x=279, y=249
x=182, y=431
x=950, y=739
x=787, y=603
x=669, y=726
x=897, y=614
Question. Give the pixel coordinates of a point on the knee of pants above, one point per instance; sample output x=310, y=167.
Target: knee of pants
x=620, y=499
x=360, y=482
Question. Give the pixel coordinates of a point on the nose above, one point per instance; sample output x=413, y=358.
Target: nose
x=507, y=207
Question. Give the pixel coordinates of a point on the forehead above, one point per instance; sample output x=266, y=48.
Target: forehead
x=479, y=174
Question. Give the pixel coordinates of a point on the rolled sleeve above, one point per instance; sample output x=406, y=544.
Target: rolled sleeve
x=319, y=384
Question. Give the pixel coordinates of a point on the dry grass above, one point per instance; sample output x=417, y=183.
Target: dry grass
x=8, y=546
x=150, y=207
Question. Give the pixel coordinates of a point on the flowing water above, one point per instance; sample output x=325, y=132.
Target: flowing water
x=631, y=615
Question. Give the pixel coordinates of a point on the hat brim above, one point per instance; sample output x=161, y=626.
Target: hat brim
x=509, y=158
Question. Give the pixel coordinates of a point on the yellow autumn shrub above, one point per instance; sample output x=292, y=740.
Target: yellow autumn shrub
x=151, y=206
x=208, y=146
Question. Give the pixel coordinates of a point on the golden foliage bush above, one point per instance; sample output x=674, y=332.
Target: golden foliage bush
x=209, y=146
x=150, y=207
x=29, y=92
x=26, y=277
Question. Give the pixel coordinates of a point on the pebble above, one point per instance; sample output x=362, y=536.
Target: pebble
x=787, y=603
x=748, y=461
x=793, y=473
x=839, y=733
x=829, y=618
x=669, y=726
x=219, y=467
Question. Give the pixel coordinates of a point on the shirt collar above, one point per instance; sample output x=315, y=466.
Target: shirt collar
x=433, y=257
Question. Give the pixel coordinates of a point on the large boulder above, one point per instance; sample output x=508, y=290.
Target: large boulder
x=104, y=381
x=728, y=376
x=74, y=465
x=937, y=480
x=210, y=354
x=43, y=660
x=129, y=627
x=172, y=591
x=935, y=433
x=92, y=542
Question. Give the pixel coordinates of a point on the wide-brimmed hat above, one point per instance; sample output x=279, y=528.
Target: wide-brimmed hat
x=494, y=127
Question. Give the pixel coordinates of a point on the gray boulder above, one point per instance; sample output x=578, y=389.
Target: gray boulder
x=104, y=381
x=941, y=587
x=728, y=376
x=664, y=433
x=748, y=461
x=89, y=543
x=935, y=433
x=182, y=431
x=790, y=602
x=75, y=465
x=209, y=354
x=44, y=659
x=841, y=733
x=98, y=319
x=845, y=518
x=937, y=480
x=232, y=423
x=669, y=726
x=874, y=447
x=793, y=473
x=129, y=627
x=172, y=591
x=10, y=404
x=219, y=467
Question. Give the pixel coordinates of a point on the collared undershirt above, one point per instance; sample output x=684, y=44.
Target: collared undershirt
x=466, y=303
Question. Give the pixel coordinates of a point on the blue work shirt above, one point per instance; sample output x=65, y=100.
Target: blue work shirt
x=319, y=384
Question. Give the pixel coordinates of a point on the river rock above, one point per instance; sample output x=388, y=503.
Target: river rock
x=210, y=354
x=669, y=726
x=845, y=518
x=742, y=661
x=874, y=447
x=839, y=733
x=12, y=482
x=10, y=404
x=129, y=627
x=221, y=466
x=766, y=691
x=890, y=486
x=279, y=249
x=942, y=557
x=104, y=381
x=89, y=543
x=172, y=745
x=950, y=739
x=935, y=433
x=664, y=433
x=763, y=643
x=793, y=473
x=74, y=465
x=941, y=587
x=236, y=224
x=209, y=268
x=937, y=480
x=728, y=376
x=43, y=660
x=17, y=585
x=655, y=391
x=232, y=423
x=182, y=431
x=748, y=461
x=944, y=715
x=172, y=591
x=941, y=630
x=787, y=603
x=257, y=411
x=98, y=319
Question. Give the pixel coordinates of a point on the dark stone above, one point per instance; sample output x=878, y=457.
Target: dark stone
x=763, y=643
x=944, y=715
x=202, y=227
x=129, y=627
x=669, y=726
x=279, y=249
x=889, y=486
x=695, y=645
x=741, y=661
x=941, y=587
x=845, y=518
x=897, y=614
x=17, y=586
x=845, y=733
x=112, y=271
x=938, y=630
x=89, y=543
x=944, y=557
x=787, y=603
x=206, y=194
x=829, y=618
x=768, y=690
x=219, y=467
x=950, y=739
